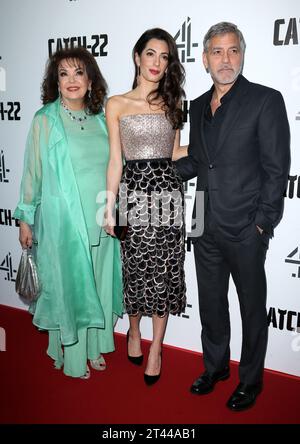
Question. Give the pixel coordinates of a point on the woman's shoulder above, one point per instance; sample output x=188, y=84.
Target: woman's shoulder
x=119, y=99
x=47, y=110
x=116, y=104
x=45, y=115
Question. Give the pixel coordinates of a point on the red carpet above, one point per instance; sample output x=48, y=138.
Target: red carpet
x=33, y=392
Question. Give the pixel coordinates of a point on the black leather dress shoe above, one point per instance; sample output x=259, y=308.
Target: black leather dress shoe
x=243, y=397
x=206, y=382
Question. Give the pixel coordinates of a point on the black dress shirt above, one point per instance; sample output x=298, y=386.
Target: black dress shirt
x=212, y=123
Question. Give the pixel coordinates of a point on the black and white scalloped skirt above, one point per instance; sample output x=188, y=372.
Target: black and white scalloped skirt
x=153, y=252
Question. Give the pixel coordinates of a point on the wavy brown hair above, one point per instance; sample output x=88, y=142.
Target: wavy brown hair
x=75, y=56
x=170, y=88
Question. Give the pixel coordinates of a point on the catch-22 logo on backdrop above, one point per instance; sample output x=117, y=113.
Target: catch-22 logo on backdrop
x=6, y=218
x=3, y=169
x=184, y=42
x=284, y=319
x=10, y=110
x=286, y=32
x=96, y=44
x=293, y=187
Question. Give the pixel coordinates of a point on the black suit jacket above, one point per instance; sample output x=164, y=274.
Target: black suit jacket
x=246, y=178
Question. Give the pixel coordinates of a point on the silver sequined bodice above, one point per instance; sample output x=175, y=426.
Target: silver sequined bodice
x=146, y=136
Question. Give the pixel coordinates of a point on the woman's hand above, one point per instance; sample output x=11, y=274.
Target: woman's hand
x=25, y=235
x=109, y=222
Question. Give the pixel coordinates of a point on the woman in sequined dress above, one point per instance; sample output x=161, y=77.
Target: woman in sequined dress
x=79, y=265
x=144, y=128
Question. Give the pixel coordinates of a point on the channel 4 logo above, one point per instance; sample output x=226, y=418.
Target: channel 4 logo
x=3, y=169
x=294, y=258
x=7, y=267
x=184, y=43
x=2, y=78
x=186, y=110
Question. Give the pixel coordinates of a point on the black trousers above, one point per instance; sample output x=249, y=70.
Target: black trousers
x=217, y=258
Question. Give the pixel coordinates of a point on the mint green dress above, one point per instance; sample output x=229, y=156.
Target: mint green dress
x=63, y=198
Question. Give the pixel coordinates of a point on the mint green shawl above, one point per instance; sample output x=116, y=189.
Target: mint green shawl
x=50, y=201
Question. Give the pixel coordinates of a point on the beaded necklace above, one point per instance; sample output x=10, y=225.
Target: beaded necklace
x=80, y=120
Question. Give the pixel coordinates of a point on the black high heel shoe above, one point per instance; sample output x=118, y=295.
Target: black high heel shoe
x=137, y=360
x=152, y=379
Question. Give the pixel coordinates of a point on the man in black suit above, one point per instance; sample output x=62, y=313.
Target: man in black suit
x=239, y=151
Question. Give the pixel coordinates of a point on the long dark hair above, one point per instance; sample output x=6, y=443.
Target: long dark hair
x=170, y=87
x=50, y=92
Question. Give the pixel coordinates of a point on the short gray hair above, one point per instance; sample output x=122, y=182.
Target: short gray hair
x=223, y=28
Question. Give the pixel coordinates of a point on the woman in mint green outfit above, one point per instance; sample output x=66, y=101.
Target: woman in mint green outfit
x=61, y=208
